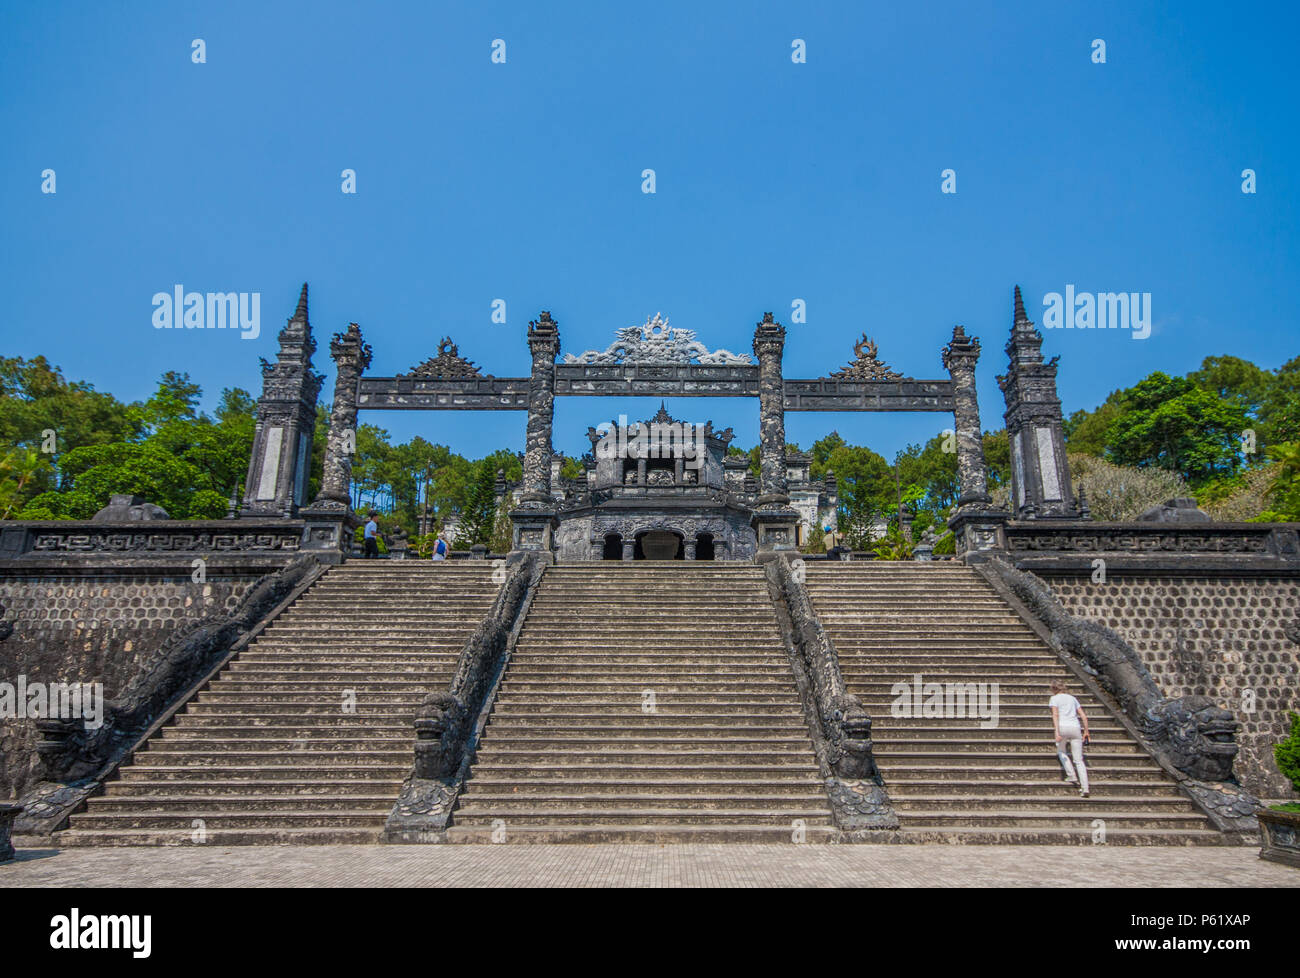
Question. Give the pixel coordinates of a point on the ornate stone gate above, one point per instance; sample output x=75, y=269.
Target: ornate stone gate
x=654, y=359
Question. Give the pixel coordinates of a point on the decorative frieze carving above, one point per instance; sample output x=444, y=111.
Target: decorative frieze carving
x=867, y=365
x=447, y=365
x=657, y=342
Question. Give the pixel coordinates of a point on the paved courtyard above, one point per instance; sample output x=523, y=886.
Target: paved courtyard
x=646, y=865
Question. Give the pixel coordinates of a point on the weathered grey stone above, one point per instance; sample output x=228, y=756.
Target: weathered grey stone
x=126, y=508
x=1196, y=736
x=351, y=355
x=1040, y=472
x=450, y=721
x=76, y=757
x=286, y=419
x=1180, y=510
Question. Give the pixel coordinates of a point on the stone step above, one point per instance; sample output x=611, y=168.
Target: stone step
x=681, y=723
x=1053, y=836
x=666, y=738
x=506, y=804
x=179, y=820
x=738, y=815
x=222, y=836
x=594, y=834
x=720, y=712
x=1080, y=816
x=617, y=786
x=1139, y=784
x=223, y=771
x=630, y=702
x=262, y=787
x=1066, y=797
x=246, y=801
x=158, y=754
x=973, y=772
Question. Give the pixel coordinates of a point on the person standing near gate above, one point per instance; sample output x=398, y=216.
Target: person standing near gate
x=371, y=535
x=1071, y=727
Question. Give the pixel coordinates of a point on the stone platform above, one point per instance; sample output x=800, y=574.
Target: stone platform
x=647, y=866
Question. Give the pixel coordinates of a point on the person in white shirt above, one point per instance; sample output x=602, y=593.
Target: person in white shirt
x=1070, y=724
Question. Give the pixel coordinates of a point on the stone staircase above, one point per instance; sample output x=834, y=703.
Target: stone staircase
x=949, y=779
x=267, y=753
x=577, y=751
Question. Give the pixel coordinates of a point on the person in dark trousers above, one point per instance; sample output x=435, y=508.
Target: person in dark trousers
x=371, y=537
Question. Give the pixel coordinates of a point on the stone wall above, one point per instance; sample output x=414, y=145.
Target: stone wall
x=92, y=627
x=1212, y=636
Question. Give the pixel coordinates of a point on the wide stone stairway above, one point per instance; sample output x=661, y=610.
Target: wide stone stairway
x=950, y=779
x=307, y=735
x=646, y=702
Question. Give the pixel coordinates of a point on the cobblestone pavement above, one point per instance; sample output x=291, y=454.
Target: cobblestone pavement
x=647, y=866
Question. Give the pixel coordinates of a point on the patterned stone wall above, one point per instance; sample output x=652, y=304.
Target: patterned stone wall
x=1218, y=637
x=91, y=628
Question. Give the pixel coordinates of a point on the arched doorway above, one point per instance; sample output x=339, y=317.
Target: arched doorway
x=613, y=547
x=704, y=546
x=659, y=545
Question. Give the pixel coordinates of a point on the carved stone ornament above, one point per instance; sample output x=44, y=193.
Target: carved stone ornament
x=866, y=365
x=447, y=365
x=657, y=342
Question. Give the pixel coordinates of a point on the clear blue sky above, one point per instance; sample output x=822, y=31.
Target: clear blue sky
x=522, y=181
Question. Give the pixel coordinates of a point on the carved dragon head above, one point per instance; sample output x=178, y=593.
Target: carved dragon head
x=1199, y=736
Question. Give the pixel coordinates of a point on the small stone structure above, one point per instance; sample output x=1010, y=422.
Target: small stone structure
x=126, y=508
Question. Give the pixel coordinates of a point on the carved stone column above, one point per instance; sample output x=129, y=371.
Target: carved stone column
x=351, y=356
x=330, y=520
x=978, y=526
x=534, y=520
x=959, y=359
x=773, y=520
x=1040, y=474
x=276, y=484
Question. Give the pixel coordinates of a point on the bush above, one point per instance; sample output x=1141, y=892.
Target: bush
x=1287, y=754
x=1244, y=503
x=1122, y=492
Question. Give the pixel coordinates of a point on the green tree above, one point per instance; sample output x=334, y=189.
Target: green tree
x=41, y=410
x=479, y=517
x=1170, y=423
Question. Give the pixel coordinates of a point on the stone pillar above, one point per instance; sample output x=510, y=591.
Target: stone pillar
x=959, y=359
x=773, y=520
x=1040, y=473
x=629, y=549
x=534, y=520
x=688, y=545
x=330, y=520
x=978, y=526
x=351, y=356
x=276, y=484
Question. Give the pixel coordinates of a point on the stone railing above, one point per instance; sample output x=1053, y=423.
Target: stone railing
x=840, y=726
x=84, y=544
x=1208, y=546
x=1191, y=737
x=75, y=760
x=450, y=723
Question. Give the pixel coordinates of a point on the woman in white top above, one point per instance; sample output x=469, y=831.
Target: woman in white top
x=1071, y=727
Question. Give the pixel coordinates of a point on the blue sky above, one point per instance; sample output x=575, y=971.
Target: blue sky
x=522, y=181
